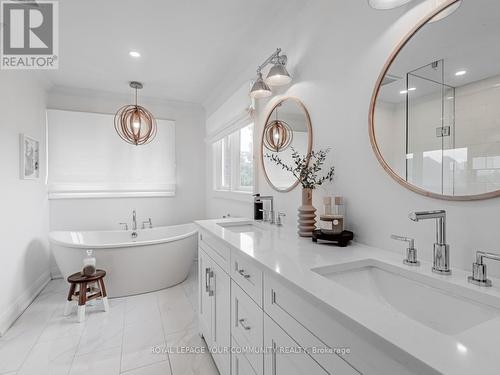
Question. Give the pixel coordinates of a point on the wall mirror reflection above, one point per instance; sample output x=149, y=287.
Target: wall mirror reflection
x=435, y=123
x=287, y=128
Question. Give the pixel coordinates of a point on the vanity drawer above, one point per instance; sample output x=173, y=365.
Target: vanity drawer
x=247, y=325
x=240, y=364
x=286, y=356
x=291, y=312
x=215, y=248
x=247, y=275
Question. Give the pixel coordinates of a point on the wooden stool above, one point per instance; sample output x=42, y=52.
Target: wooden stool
x=85, y=285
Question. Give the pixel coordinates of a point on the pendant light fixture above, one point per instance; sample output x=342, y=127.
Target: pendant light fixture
x=277, y=76
x=278, y=135
x=135, y=124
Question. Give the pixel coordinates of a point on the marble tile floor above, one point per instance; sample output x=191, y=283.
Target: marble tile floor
x=130, y=339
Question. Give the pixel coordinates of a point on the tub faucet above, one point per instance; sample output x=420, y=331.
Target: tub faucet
x=134, y=220
x=149, y=222
x=441, y=253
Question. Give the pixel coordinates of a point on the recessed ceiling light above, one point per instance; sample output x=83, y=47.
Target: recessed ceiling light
x=412, y=89
x=387, y=4
x=461, y=348
x=134, y=54
x=461, y=73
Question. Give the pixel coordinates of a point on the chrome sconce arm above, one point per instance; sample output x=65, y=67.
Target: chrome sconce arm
x=274, y=59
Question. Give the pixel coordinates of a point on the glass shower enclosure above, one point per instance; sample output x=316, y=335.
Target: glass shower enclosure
x=431, y=157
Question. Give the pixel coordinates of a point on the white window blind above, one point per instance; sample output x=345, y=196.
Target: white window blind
x=86, y=158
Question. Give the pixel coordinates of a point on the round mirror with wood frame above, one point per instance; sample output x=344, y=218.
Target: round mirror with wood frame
x=287, y=124
x=433, y=118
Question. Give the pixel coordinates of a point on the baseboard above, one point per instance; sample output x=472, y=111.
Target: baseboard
x=55, y=273
x=8, y=317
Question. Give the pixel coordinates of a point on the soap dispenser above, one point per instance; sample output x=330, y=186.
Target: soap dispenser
x=89, y=264
x=258, y=206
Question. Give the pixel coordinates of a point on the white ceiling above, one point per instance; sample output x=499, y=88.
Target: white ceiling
x=468, y=40
x=186, y=46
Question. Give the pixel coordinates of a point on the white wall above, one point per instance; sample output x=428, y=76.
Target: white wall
x=24, y=220
x=222, y=204
x=336, y=50
x=100, y=214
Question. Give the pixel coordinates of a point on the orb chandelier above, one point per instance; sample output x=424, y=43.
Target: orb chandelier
x=278, y=135
x=135, y=124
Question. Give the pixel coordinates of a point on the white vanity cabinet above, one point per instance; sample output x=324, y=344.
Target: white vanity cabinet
x=244, y=305
x=240, y=365
x=247, y=327
x=286, y=357
x=214, y=307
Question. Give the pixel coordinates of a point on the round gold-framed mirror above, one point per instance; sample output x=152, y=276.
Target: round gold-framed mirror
x=287, y=127
x=434, y=115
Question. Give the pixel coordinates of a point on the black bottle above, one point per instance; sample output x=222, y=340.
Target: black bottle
x=258, y=206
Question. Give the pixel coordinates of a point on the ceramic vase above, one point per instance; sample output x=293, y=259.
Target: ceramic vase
x=307, y=214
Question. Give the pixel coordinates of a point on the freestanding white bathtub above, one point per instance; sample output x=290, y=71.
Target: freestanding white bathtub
x=156, y=259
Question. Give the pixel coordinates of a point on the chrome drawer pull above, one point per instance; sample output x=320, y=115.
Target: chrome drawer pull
x=242, y=273
x=210, y=277
x=207, y=271
x=242, y=323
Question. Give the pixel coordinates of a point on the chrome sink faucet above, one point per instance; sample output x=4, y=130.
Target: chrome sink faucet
x=479, y=274
x=411, y=250
x=441, y=253
x=268, y=215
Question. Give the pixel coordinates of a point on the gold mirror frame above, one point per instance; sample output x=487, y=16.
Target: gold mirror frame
x=371, y=120
x=309, y=143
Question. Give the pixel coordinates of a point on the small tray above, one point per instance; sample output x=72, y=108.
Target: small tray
x=340, y=239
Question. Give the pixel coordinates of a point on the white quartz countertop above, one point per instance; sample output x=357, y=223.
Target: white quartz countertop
x=280, y=250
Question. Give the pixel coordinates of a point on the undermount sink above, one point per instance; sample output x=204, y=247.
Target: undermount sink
x=241, y=226
x=437, y=304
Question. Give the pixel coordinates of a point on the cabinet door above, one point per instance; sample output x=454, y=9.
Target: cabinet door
x=220, y=284
x=204, y=298
x=285, y=356
x=241, y=366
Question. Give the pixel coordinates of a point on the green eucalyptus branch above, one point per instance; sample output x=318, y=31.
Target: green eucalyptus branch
x=306, y=168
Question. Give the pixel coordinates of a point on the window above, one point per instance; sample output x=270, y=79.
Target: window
x=87, y=159
x=233, y=161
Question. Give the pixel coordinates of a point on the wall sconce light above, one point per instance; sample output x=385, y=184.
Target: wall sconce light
x=277, y=76
x=135, y=124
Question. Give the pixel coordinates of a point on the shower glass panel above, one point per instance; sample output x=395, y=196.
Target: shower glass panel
x=430, y=134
